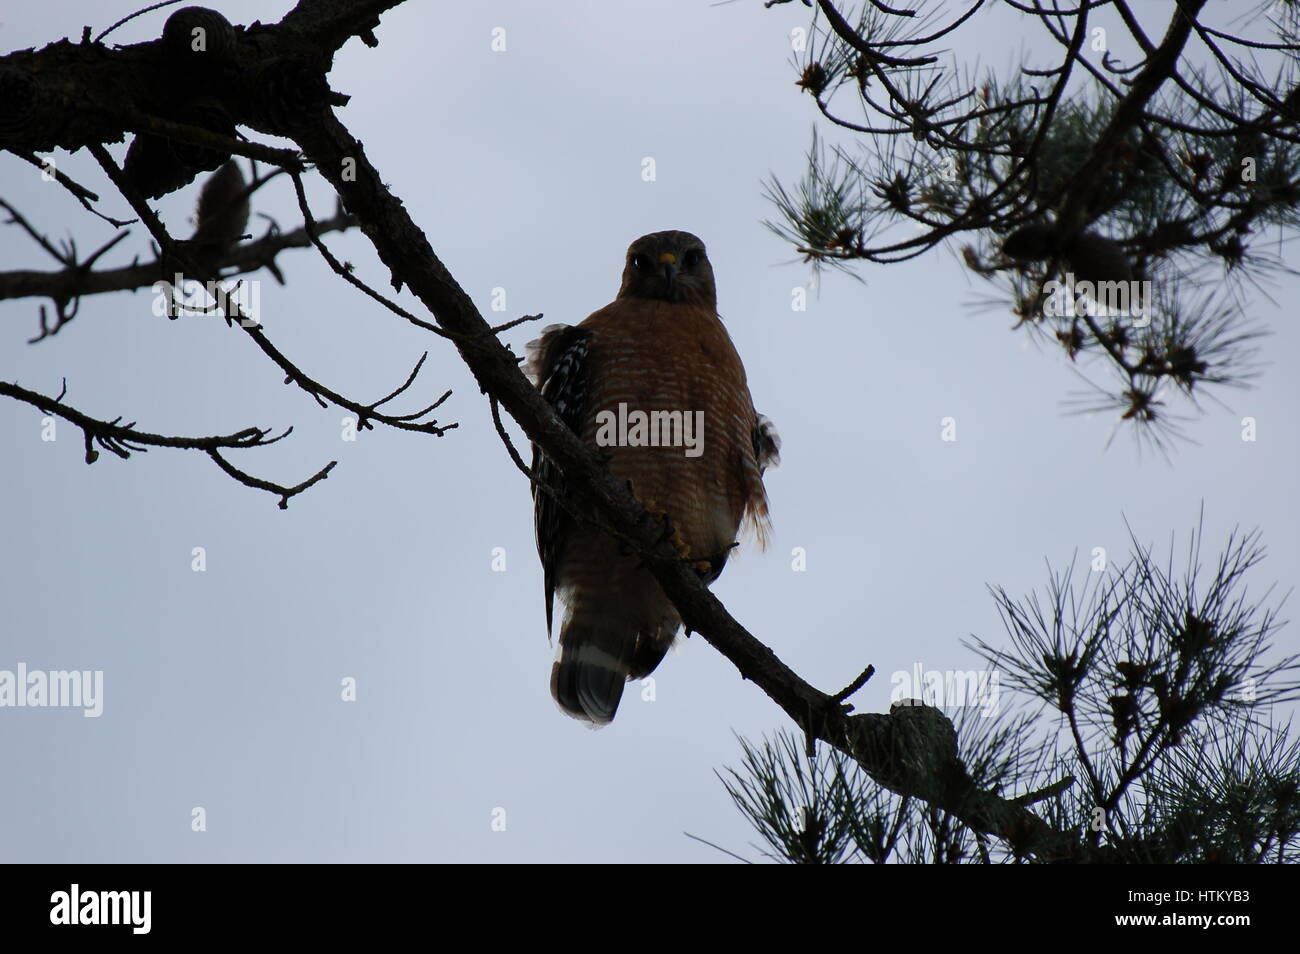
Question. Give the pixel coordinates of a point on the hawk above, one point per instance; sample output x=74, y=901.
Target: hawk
x=654, y=382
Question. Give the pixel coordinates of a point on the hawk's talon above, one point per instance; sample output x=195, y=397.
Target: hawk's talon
x=660, y=516
x=679, y=545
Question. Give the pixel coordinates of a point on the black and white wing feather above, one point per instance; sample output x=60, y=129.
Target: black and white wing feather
x=557, y=363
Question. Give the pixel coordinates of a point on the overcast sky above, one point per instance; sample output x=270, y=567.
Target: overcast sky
x=524, y=168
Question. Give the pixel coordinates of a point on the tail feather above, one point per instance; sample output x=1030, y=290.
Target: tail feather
x=595, y=662
x=650, y=653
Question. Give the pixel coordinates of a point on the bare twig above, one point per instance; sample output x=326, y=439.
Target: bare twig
x=259, y=484
x=854, y=686
x=125, y=439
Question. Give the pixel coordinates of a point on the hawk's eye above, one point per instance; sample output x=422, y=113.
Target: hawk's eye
x=692, y=258
x=640, y=261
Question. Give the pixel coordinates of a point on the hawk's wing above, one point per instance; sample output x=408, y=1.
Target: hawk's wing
x=767, y=443
x=557, y=363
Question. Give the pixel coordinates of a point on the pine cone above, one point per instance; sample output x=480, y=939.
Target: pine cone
x=19, y=94
x=151, y=167
x=1096, y=258
x=1031, y=243
x=199, y=37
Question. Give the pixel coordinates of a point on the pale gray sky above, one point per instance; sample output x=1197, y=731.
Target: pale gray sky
x=222, y=688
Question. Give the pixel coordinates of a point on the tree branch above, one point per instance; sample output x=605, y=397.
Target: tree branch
x=125, y=439
x=76, y=281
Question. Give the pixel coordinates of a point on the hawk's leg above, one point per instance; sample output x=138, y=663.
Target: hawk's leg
x=661, y=516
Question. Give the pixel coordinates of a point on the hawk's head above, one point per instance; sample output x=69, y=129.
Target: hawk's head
x=669, y=266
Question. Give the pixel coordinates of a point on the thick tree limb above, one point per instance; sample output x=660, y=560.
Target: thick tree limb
x=71, y=95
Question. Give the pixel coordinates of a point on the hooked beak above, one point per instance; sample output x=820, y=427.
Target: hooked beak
x=669, y=262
